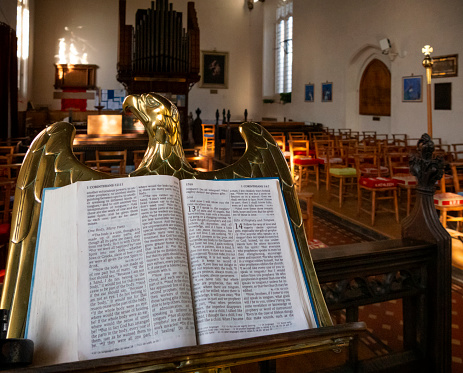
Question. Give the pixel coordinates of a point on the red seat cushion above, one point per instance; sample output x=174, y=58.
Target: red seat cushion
x=378, y=182
x=4, y=232
x=304, y=161
x=448, y=199
x=405, y=179
x=401, y=170
x=300, y=152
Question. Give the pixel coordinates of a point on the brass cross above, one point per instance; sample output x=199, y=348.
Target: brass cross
x=427, y=50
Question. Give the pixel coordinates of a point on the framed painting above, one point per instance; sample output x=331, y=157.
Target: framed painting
x=214, y=69
x=443, y=96
x=327, y=92
x=412, y=88
x=309, y=92
x=445, y=66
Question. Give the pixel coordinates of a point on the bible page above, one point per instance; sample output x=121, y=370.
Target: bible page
x=52, y=314
x=246, y=276
x=136, y=294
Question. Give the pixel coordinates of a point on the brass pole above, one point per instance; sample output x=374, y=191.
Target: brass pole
x=427, y=63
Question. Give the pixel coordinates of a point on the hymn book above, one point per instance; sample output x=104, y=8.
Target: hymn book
x=150, y=263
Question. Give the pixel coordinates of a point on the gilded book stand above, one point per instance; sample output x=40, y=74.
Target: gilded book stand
x=50, y=162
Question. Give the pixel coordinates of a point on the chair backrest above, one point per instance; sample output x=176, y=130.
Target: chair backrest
x=457, y=152
x=398, y=163
x=7, y=189
x=399, y=139
x=297, y=136
x=324, y=148
x=105, y=159
x=348, y=148
x=299, y=148
x=367, y=164
x=280, y=139
x=208, y=130
x=457, y=175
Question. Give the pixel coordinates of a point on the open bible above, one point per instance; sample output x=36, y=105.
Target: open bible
x=150, y=263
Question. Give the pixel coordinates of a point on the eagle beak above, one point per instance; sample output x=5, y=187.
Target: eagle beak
x=132, y=104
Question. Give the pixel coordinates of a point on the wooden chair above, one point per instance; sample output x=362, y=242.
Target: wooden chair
x=106, y=160
x=7, y=189
x=342, y=177
x=6, y=158
x=280, y=139
x=399, y=170
x=348, y=149
x=327, y=156
x=208, y=136
x=380, y=188
x=451, y=202
x=80, y=156
x=302, y=164
x=137, y=157
x=457, y=152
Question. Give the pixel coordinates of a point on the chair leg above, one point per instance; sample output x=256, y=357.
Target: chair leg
x=341, y=187
x=409, y=197
x=359, y=200
x=317, y=176
x=444, y=218
x=396, y=206
x=373, y=207
x=328, y=188
x=299, y=179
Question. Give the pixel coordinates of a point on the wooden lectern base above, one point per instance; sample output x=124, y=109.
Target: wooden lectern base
x=219, y=355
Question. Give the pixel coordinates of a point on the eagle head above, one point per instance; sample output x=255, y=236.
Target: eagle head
x=159, y=116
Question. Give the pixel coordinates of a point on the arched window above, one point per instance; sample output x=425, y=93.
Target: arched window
x=375, y=90
x=284, y=47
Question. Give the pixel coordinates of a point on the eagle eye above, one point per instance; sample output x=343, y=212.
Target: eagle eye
x=151, y=102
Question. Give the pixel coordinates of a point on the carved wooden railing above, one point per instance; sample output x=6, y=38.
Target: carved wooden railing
x=416, y=269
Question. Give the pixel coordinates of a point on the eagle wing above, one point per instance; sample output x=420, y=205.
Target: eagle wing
x=263, y=158
x=49, y=162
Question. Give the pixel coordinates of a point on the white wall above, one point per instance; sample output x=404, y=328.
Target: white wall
x=8, y=12
x=333, y=41
x=226, y=26
x=94, y=28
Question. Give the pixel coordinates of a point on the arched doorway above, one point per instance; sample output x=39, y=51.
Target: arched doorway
x=358, y=63
x=375, y=90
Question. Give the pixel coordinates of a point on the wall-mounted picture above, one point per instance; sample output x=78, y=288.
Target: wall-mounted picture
x=327, y=92
x=445, y=66
x=309, y=92
x=443, y=96
x=214, y=69
x=412, y=88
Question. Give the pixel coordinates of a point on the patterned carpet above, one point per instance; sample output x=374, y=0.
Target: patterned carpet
x=384, y=320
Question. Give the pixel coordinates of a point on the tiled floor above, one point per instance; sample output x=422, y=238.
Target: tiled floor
x=384, y=321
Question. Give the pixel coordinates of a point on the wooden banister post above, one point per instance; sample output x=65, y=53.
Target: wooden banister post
x=423, y=224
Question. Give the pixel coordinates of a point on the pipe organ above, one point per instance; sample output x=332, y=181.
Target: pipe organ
x=158, y=55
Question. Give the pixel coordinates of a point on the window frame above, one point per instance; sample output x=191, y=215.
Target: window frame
x=284, y=47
